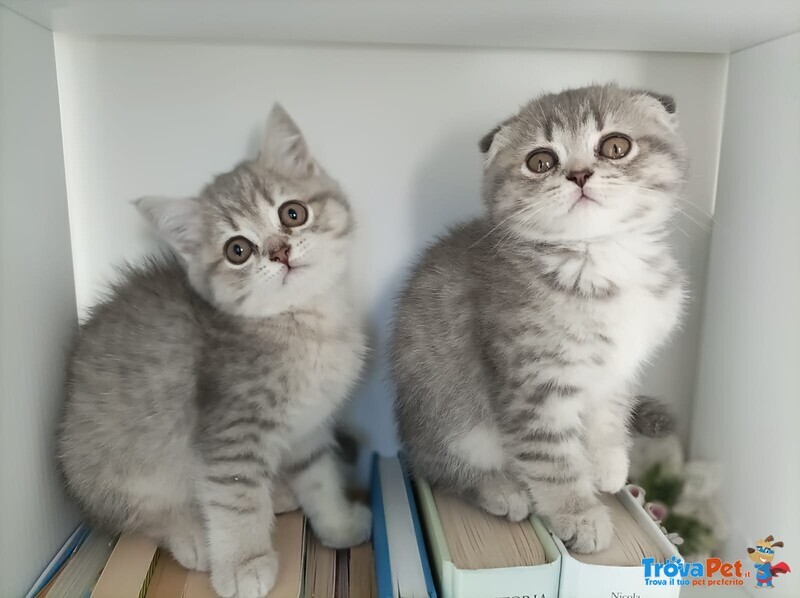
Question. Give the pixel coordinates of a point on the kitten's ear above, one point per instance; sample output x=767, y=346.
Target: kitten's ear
x=178, y=221
x=668, y=102
x=284, y=148
x=490, y=143
x=486, y=141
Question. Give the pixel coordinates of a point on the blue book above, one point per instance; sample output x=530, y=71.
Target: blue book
x=69, y=548
x=402, y=569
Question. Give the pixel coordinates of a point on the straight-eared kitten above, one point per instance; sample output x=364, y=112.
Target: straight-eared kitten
x=205, y=382
x=519, y=336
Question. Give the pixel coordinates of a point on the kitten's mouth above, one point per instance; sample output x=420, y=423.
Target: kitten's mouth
x=290, y=268
x=583, y=199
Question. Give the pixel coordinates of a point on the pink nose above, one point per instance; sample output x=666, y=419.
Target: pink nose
x=579, y=177
x=281, y=254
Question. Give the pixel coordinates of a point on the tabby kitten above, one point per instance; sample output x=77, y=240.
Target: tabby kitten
x=203, y=380
x=519, y=336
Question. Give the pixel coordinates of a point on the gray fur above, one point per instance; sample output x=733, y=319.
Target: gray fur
x=519, y=335
x=201, y=402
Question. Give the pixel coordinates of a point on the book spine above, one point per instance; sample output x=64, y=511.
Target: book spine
x=423, y=553
x=380, y=541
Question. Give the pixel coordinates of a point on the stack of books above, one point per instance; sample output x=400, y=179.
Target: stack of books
x=476, y=555
x=426, y=543
x=92, y=564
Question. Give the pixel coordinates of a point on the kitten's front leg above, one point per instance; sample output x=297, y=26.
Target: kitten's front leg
x=235, y=491
x=608, y=442
x=543, y=436
x=318, y=483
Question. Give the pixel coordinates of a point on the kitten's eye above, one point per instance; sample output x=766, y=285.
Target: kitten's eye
x=238, y=250
x=293, y=213
x=615, y=146
x=540, y=161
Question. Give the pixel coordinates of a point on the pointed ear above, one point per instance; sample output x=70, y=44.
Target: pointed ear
x=780, y=544
x=769, y=538
x=178, y=221
x=284, y=148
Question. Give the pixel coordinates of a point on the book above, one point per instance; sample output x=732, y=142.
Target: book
x=321, y=569
x=618, y=569
x=169, y=578
x=478, y=555
x=401, y=560
x=57, y=563
x=288, y=538
x=361, y=572
x=128, y=571
x=81, y=571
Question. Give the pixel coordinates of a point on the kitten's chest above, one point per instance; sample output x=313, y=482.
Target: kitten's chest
x=318, y=369
x=613, y=307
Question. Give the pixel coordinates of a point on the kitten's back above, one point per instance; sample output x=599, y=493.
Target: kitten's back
x=131, y=381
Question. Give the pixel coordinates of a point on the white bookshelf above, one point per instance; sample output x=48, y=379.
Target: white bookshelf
x=155, y=96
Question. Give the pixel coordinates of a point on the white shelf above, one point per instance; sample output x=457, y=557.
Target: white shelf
x=676, y=25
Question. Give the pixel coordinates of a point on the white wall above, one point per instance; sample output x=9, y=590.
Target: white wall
x=398, y=125
x=747, y=406
x=37, y=303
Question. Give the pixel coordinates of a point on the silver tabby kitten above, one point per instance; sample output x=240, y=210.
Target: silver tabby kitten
x=198, y=385
x=519, y=336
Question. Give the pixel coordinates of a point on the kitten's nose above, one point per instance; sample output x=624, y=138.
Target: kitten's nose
x=280, y=254
x=579, y=177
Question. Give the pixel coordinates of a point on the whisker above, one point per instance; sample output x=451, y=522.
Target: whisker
x=502, y=222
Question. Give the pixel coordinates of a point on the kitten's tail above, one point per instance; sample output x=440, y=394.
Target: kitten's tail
x=651, y=417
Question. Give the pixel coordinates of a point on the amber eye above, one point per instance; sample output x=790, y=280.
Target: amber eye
x=615, y=146
x=293, y=213
x=238, y=250
x=541, y=161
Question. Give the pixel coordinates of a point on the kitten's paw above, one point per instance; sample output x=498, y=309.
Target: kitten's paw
x=350, y=527
x=250, y=579
x=587, y=531
x=190, y=549
x=611, y=469
x=506, y=500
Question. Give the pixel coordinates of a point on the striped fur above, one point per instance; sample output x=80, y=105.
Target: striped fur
x=202, y=395
x=519, y=336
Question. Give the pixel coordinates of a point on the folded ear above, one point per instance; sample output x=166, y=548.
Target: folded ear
x=667, y=101
x=751, y=550
x=284, y=148
x=178, y=221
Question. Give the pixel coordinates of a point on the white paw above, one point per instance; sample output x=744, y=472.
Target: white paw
x=587, y=531
x=506, y=500
x=190, y=549
x=343, y=529
x=611, y=469
x=250, y=579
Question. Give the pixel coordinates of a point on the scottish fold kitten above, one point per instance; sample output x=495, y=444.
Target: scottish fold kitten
x=203, y=390
x=519, y=336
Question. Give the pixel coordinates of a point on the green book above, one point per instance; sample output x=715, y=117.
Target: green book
x=476, y=555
